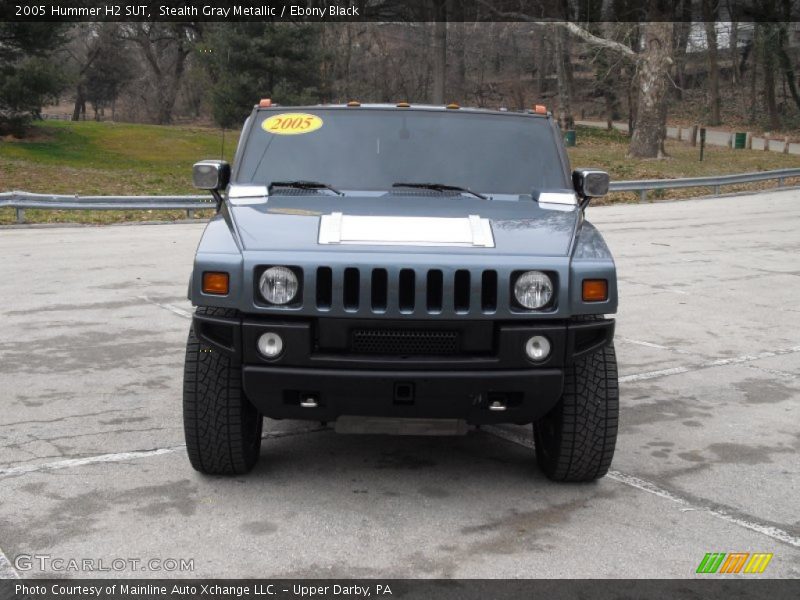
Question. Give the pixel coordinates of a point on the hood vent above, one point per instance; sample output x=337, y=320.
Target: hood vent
x=470, y=232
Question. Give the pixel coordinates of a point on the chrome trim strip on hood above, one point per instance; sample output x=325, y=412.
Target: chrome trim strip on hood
x=246, y=194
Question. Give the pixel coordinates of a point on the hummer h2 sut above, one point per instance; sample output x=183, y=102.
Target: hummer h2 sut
x=402, y=268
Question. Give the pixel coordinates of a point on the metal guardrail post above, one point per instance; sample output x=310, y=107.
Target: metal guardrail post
x=642, y=195
x=20, y=214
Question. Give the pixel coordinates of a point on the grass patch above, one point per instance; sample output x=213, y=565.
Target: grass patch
x=129, y=159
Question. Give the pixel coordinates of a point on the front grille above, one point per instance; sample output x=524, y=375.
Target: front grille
x=406, y=342
x=407, y=291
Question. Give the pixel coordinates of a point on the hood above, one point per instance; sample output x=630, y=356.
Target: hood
x=518, y=227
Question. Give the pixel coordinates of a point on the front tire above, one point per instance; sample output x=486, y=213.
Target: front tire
x=222, y=427
x=575, y=440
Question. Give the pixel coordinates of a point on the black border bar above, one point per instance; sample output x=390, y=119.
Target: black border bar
x=705, y=588
x=583, y=11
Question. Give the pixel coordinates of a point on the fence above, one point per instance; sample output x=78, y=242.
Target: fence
x=20, y=201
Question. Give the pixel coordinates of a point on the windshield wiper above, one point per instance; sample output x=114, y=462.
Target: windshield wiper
x=304, y=185
x=440, y=187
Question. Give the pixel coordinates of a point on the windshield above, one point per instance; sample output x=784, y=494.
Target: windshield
x=371, y=149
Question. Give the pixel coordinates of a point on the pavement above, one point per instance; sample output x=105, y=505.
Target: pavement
x=92, y=462
x=714, y=137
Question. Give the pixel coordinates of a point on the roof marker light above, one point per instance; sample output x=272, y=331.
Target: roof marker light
x=265, y=103
x=353, y=103
x=403, y=105
x=540, y=109
x=453, y=105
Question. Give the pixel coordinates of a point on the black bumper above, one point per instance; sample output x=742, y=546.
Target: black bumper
x=526, y=395
x=317, y=367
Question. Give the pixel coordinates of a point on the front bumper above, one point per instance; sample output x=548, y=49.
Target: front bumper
x=318, y=370
x=526, y=395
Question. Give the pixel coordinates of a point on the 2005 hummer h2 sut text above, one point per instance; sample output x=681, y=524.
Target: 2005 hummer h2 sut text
x=402, y=268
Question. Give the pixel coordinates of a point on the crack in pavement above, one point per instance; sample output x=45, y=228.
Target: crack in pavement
x=124, y=456
x=64, y=418
x=689, y=502
x=720, y=362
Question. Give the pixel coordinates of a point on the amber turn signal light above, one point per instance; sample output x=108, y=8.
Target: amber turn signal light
x=215, y=283
x=595, y=290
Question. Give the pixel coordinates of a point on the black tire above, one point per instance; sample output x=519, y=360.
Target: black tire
x=575, y=440
x=222, y=427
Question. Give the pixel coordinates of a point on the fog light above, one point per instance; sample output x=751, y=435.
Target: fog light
x=537, y=348
x=270, y=345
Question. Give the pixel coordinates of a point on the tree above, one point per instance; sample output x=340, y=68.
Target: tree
x=99, y=63
x=164, y=49
x=109, y=71
x=653, y=63
x=252, y=60
x=27, y=78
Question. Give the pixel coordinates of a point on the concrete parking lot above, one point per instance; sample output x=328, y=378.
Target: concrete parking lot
x=92, y=466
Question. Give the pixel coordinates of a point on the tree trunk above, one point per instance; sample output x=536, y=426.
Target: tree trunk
x=768, y=57
x=647, y=140
x=80, y=104
x=756, y=52
x=439, y=52
x=709, y=18
x=682, y=31
x=565, y=117
x=786, y=63
x=736, y=72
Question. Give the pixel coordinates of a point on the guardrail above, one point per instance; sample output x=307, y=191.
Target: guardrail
x=716, y=182
x=25, y=200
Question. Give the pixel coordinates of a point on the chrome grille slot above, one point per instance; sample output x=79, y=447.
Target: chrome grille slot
x=350, y=289
x=489, y=291
x=407, y=290
x=324, y=292
x=461, y=291
x=405, y=342
x=434, y=288
x=379, y=290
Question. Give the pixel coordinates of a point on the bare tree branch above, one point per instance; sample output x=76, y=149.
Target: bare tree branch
x=574, y=29
x=594, y=40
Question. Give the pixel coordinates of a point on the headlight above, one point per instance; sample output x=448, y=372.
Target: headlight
x=533, y=289
x=278, y=285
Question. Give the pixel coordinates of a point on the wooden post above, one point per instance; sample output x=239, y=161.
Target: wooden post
x=730, y=141
x=694, y=135
x=749, y=144
x=766, y=142
x=786, y=145
x=680, y=133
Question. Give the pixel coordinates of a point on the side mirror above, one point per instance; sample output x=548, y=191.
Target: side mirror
x=590, y=183
x=211, y=175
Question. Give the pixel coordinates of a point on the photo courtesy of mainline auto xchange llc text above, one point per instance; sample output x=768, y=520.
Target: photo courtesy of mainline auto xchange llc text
x=431, y=299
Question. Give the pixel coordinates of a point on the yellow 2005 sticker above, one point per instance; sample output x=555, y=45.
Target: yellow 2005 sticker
x=292, y=124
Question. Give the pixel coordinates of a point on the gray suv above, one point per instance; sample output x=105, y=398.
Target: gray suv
x=402, y=269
